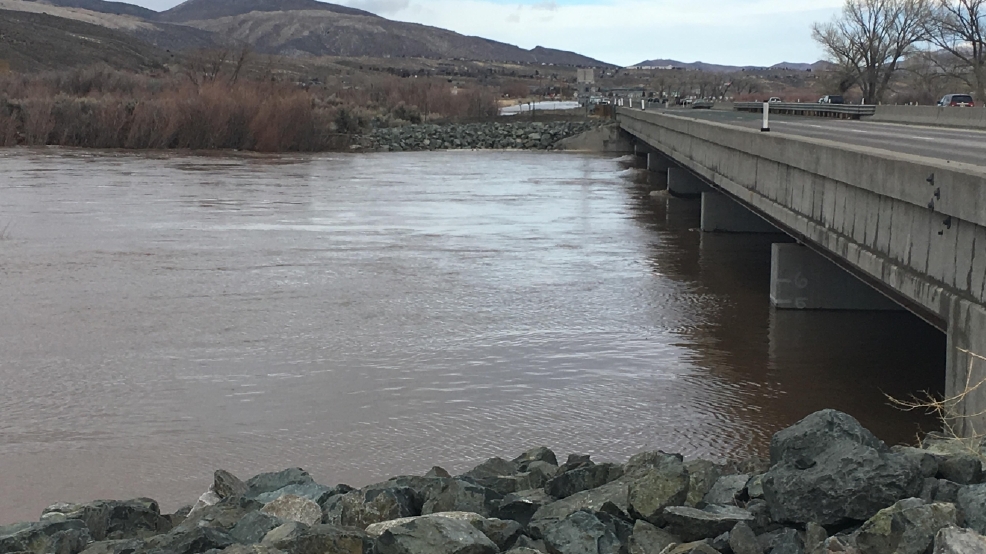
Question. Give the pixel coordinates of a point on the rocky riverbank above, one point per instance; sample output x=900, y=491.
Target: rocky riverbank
x=830, y=486
x=493, y=135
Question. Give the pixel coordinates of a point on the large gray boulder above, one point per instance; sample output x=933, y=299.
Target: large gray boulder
x=270, y=482
x=253, y=527
x=126, y=546
x=494, y=467
x=972, y=506
x=294, y=508
x=582, y=479
x=581, y=533
x=742, y=540
x=654, y=489
x=522, y=505
x=807, y=439
x=784, y=538
x=536, y=476
x=312, y=491
x=726, y=490
x=459, y=495
x=115, y=519
x=953, y=540
x=692, y=524
x=503, y=533
x=191, y=541
x=223, y=516
x=225, y=484
x=829, y=469
x=538, y=454
x=421, y=488
x=67, y=536
x=434, y=535
x=250, y=549
x=648, y=539
x=609, y=498
x=926, y=460
x=702, y=476
x=372, y=504
x=907, y=527
x=965, y=469
x=320, y=539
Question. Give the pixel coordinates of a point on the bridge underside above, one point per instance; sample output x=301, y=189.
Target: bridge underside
x=912, y=229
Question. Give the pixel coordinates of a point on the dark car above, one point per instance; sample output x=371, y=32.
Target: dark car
x=832, y=99
x=957, y=101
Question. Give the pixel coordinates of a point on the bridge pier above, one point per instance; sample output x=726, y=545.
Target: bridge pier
x=683, y=183
x=721, y=214
x=965, y=371
x=801, y=279
x=658, y=164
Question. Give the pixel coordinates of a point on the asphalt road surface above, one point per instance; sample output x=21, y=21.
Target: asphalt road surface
x=957, y=145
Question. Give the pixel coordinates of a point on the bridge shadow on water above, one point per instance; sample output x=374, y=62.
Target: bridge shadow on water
x=783, y=365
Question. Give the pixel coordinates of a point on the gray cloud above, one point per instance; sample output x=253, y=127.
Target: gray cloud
x=548, y=5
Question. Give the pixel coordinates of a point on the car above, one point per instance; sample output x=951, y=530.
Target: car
x=774, y=99
x=832, y=99
x=957, y=101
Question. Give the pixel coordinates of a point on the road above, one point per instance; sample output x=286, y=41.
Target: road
x=957, y=145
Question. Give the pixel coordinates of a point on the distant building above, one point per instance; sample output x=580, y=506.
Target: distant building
x=585, y=84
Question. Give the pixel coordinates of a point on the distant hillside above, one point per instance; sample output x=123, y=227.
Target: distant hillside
x=715, y=68
x=101, y=6
x=562, y=57
x=296, y=28
x=817, y=66
x=199, y=10
x=36, y=41
x=328, y=33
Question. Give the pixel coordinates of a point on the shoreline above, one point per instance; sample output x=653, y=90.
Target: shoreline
x=829, y=486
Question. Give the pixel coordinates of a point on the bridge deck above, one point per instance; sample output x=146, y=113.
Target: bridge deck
x=959, y=145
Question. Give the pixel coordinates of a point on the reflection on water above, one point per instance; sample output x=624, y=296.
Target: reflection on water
x=364, y=316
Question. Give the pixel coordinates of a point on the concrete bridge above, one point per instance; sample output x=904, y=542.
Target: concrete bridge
x=875, y=228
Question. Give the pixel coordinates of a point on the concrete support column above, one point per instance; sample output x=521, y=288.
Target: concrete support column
x=683, y=183
x=658, y=165
x=721, y=214
x=965, y=370
x=804, y=280
x=658, y=162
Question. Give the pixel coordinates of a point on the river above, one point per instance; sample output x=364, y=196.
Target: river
x=363, y=316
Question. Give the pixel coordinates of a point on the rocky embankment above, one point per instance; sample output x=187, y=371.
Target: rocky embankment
x=516, y=135
x=830, y=486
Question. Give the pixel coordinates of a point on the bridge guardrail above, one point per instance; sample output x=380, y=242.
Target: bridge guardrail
x=842, y=111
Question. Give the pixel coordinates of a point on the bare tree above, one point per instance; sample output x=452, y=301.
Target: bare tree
x=958, y=29
x=871, y=37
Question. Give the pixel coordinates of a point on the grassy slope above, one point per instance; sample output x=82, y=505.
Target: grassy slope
x=33, y=41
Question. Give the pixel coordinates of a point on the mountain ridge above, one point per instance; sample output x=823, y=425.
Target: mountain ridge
x=718, y=68
x=296, y=28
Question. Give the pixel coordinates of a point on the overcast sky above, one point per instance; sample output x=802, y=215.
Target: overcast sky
x=625, y=32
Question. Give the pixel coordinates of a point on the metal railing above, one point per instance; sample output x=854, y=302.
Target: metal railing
x=842, y=111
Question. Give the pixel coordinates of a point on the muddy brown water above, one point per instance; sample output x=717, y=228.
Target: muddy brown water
x=367, y=316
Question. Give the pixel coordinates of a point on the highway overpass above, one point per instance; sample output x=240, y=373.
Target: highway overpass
x=882, y=212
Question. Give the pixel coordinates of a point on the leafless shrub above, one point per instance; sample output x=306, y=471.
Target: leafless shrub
x=958, y=425
x=221, y=108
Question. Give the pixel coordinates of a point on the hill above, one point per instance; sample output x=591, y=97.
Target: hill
x=101, y=6
x=331, y=33
x=37, y=41
x=715, y=68
x=295, y=28
x=199, y=10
